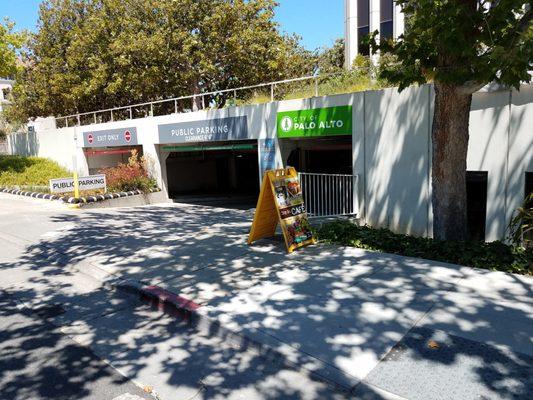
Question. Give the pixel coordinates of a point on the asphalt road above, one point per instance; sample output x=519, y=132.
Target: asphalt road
x=379, y=325
x=39, y=362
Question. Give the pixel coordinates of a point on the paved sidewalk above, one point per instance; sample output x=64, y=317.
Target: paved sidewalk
x=376, y=325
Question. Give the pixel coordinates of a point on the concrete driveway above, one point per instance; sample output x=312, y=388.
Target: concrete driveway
x=373, y=325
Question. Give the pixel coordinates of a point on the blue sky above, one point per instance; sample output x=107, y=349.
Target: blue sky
x=318, y=22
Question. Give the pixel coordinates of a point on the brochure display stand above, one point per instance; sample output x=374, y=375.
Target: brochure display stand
x=281, y=201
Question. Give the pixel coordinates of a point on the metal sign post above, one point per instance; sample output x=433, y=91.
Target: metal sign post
x=75, y=176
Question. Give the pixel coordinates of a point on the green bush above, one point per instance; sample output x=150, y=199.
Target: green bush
x=494, y=256
x=29, y=171
x=521, y=226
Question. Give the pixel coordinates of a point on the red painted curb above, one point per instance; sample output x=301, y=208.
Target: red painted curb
x=165, y=296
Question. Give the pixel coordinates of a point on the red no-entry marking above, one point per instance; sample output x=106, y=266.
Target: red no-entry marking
x=90, y=138
x=169, y=297
x=127, y=136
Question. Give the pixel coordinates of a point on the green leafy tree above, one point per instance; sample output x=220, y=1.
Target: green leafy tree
x=460, y=46
x=10, y=43
x=331, y=59
x=94, y=54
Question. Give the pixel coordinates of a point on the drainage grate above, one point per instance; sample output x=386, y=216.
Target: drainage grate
x=430, y=364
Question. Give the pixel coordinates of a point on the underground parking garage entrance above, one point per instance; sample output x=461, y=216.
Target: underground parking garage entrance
x=211, y=162
x=224, y=174
x=318, y=143
x=327, y=155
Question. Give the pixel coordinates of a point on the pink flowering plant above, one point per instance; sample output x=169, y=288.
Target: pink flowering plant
x=131, y=176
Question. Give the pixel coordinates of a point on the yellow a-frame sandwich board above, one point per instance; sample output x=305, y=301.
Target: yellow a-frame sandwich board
x=281, y=201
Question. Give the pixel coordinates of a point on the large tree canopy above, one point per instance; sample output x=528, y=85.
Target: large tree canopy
x=10, y=43
x=460, y=46
x=93, y=54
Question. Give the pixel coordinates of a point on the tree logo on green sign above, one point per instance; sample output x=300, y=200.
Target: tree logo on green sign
x=286, y=124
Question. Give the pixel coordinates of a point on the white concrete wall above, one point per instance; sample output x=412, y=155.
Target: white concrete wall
x=391, y=143
x=488, y=144
x=520, y=153
x=397, y=176
x=396, y=159
x=56, y=144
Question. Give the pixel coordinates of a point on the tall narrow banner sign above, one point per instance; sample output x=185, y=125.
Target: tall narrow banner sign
x=281, y=201
x=267, y=154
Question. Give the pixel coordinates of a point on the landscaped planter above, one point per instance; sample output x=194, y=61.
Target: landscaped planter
x=75, y=200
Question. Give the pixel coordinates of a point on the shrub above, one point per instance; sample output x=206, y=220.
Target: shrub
x=495, y=255
x=521, y=226
x=29, y=171
x=130, y=176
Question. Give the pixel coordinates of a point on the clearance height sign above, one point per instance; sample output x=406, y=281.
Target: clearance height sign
x=218, y=129
x=331, y=121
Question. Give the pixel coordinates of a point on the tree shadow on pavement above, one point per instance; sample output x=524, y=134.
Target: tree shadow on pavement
x=38, y=362
x=325, y=311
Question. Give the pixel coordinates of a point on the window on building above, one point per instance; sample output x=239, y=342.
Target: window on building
x=5, y=93
x=476, y=204
x=386, y=27
x=363, y=25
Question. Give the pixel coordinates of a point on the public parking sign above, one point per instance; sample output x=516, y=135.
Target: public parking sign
x=210, y=130
x=64, y=185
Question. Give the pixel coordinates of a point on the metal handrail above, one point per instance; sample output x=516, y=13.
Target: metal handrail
x=193, y=96
x=329, y=195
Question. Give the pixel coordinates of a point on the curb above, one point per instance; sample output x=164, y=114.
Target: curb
x=76, y=200
x=191, y=312
x=165, y=301
x=195, y=315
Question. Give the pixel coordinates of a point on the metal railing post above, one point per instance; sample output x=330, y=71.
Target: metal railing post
x=316, y=86
x=112, y=116
x=203, y=102
x=272, y=92
x=78, y=118
x=328, y=195
x=175, y=106
x=151, y=109
x=66, y=122
x=95, y=118
x=131, y=114
x=235, y=97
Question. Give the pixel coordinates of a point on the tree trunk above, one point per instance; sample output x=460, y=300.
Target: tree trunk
x=450, y=146
x=197, y=100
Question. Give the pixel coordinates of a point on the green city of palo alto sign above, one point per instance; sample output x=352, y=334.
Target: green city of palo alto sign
x=329, y=121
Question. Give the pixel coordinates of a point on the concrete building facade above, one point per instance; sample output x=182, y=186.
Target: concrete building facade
x=6, y=85
x=362, y=17
x=382, y=136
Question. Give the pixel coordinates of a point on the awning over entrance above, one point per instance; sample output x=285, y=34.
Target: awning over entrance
x=106, y=152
